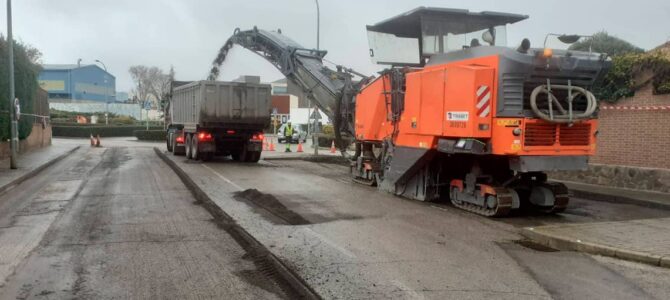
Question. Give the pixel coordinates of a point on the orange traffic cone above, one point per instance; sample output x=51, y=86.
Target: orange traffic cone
x=97, y=141
x=299, y=147
x=272, y=145
x=92, y=140
x=332, y=147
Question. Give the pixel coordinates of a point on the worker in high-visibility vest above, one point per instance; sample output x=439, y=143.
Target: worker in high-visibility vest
x=288, y=134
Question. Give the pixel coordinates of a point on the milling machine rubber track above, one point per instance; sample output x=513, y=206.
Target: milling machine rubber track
x=503, y=208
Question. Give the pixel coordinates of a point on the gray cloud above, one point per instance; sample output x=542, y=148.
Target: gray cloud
x=187, y=34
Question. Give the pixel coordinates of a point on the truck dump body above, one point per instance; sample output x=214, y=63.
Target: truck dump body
x=207, y=104
x=208, y=118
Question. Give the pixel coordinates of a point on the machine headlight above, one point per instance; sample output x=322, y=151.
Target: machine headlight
x=516, y=131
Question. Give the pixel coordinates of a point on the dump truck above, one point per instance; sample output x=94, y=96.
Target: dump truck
x=457, y=115
x=208, y=118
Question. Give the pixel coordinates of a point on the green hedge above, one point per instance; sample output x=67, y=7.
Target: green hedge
x=103, y=131
x=26, y=71
x=620, y=80
x=150, y=135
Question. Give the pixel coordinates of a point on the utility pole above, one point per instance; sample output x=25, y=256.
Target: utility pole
x=14, y=142
x=318, y=23
x=315, y=138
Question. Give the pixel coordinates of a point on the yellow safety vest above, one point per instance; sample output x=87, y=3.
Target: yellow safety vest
x=288, y=131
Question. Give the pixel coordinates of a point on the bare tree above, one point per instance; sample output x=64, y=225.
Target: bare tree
x=151, y=84
x=142, y=83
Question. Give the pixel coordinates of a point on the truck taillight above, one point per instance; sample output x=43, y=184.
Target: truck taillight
x=180, y=139
x=204, y=136
x=257, y=137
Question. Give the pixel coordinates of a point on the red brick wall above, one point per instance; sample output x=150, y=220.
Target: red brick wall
x=39, y=137
x=639, y=138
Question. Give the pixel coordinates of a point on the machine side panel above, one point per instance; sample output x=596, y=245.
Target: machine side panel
x=469, y=101
x=371, y=122
x=431, y=103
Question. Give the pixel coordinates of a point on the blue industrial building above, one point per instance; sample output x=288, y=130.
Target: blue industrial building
x=78, y=83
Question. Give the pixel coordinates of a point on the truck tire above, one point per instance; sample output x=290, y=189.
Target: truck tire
x=194, y=148
x=207, y=156
x=169, y=140
x=253, y=156
x=187, y=146
x=240, y=154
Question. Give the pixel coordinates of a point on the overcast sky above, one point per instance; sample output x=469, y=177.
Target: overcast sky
x=188, y=34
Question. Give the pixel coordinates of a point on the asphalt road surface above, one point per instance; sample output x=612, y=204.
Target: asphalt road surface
x=430, y=250
x=115, y=222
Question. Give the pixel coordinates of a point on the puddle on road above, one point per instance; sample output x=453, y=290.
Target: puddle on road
x=272, y=205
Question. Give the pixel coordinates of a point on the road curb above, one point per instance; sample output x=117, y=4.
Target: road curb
x=300, y=286
x=612, y=198
x=569, y=244
x=331, y=159
x=36, y=171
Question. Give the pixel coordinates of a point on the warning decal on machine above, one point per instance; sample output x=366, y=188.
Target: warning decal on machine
x=483, y=101
x=458, y=115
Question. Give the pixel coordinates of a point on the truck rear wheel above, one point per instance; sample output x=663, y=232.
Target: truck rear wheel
x=169, y=141
x=253, y=156
x=187, y=146
x=240, y=155
x=207, y=156
x=194, y=148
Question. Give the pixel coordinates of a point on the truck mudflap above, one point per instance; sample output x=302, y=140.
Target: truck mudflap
x=209, y=147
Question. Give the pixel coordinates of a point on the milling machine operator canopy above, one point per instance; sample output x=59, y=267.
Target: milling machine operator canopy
x=410, y=38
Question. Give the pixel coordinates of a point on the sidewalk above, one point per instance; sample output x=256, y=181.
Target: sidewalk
x=646, y=241
x=618, y=195
x=32, y=163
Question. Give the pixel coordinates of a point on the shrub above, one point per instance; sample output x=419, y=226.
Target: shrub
x=150, y=135
x=620, y=80
x=327, y=129
x=121, y=120
x=103, y=131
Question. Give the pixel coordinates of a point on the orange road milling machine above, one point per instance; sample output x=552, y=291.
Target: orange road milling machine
x=457, y=115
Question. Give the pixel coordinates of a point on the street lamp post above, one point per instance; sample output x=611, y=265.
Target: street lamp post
x=14, y=142
x=106, y=93
x=315, y=138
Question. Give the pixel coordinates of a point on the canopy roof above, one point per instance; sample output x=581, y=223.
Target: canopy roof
x=409, y=24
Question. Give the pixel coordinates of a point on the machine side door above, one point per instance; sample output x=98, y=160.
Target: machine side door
x=469, y=101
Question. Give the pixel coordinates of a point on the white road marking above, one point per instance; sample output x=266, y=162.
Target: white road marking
x=223, y=178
